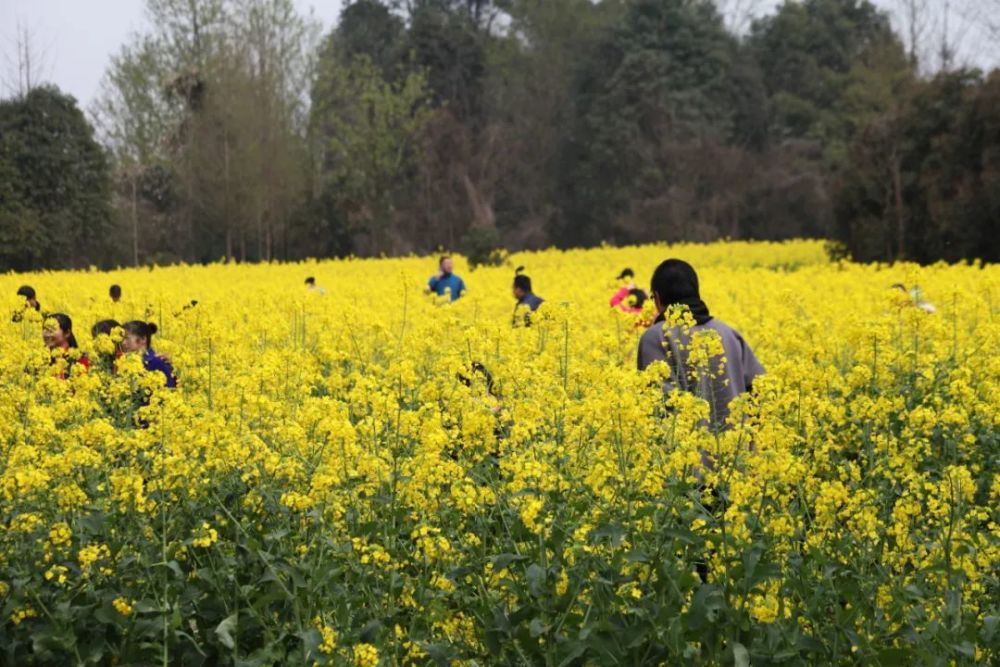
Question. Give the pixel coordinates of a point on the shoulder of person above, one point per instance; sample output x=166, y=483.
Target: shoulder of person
x=653, y=332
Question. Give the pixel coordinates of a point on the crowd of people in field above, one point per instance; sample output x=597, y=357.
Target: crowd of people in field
x=132, y=337
x=674, y=283
x=674, y=287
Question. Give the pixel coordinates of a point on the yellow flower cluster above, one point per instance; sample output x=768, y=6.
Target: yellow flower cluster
x=122, y=606
x=429, y=480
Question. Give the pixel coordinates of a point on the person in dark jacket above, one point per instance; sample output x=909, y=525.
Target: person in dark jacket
x=527, y=300
x=139, y=338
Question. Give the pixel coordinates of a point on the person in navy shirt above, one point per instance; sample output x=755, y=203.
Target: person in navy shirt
x=444, y=281
x=525, y=297
x=139, y=338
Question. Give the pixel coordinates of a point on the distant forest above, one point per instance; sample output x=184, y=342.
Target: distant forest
x=234, y=129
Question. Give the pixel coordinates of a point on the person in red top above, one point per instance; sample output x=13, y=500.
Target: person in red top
x=628, y=298
x=58, y=336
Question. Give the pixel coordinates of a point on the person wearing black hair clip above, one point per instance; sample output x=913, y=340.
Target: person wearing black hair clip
x=525, y=297
x=30, y=302
x=139, y=338
x=675, y=286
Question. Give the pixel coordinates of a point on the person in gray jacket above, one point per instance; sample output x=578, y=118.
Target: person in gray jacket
x=675, y=284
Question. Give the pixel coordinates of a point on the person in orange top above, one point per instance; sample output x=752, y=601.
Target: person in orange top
x=58, y=336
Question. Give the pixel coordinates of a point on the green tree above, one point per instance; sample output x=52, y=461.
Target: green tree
x=530, y=97
x=54, y=185
x=368, y=28
x=665, y=79
x=816, y=58
x=921, y=182
x=366, y=133
x=208, y=107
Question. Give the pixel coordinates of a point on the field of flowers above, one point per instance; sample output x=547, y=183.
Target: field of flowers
x=324, y=488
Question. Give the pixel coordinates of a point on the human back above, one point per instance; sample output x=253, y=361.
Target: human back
x=716, y=372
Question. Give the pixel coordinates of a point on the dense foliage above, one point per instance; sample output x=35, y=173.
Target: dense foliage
x=237, y=130
x=55, y=185
x=334, y=481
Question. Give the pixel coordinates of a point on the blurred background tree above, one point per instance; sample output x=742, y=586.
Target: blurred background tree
x=234, y=129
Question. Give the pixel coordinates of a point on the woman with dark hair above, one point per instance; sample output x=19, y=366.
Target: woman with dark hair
x=104, y=328
x=139, y=338
x=30, y=302
x=30, y=298
x=57, y=333
x=111, y=350
x=675, y=287
x=628, y=298
x=525, y=297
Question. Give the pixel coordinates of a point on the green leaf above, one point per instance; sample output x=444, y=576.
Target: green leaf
x=369, y=633
x=503, y=560
x=536, y=579
x=537, y=627
x=579, y=648
x=741, y=656
x=224, y=631
x=890, y=657
x=965, y=648
x=989, y=631
x=637, y=556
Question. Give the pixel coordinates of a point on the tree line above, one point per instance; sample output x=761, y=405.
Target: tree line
x=234, y=129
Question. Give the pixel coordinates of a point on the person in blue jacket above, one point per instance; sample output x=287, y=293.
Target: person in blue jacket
x=444, y=281
x=526, y=299
x=139, y=338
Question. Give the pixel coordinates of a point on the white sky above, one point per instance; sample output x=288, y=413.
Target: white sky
x=75, y=39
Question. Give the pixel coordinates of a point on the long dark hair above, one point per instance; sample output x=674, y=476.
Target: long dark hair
x=141, y=329
x=638, y=297
x=65, y=325
x=104, y=327
x=676, y=283
x=28, y=292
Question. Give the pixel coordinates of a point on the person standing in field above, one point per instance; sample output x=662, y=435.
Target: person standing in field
x=628, y=298
x=445, y=282
x=107, y=349
x=312, y=287
x=115, y=292
x=139, y=338
x=30, y=302
x=727, y=375
x=57, y=332
x=525, y=297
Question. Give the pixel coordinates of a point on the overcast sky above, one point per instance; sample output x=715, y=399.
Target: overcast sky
x=75, y=39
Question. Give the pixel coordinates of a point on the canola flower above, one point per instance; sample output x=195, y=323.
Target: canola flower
x=335, y=480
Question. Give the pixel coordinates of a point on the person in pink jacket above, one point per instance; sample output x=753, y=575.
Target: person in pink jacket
x=628, y=298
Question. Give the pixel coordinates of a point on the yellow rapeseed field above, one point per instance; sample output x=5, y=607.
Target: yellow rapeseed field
x=336, y=480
